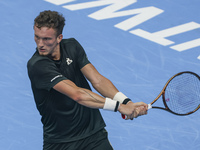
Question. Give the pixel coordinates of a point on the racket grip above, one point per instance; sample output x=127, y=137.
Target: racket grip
x=124, y=116
x=149, y=106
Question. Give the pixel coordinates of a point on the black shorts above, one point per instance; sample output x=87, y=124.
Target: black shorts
x=98, y=141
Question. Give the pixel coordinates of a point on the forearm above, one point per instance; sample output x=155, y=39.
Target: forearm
x=131, y=110
x=101, y=84
x=89, y=99
x=85, y=97
x=80, y=95
x=105, y=87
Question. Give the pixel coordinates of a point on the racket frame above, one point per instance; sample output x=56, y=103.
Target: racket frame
x=162, y=93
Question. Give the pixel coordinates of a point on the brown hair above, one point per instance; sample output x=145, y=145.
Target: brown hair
x=50, y=19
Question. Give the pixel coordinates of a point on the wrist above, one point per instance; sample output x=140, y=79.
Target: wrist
x=126, y=101
x=123, y=99
x=121, y=107
x=111, y=105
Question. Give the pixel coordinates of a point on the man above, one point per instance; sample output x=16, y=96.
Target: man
x=69, y=109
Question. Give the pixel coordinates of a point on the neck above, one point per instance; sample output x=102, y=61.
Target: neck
x=56, y=54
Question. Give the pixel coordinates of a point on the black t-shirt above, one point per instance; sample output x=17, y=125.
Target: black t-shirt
x=63, y=119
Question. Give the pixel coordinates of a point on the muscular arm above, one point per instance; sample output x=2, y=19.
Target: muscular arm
x=90, y=99
x=106, y=88
x=82, y=96
x=103, y=85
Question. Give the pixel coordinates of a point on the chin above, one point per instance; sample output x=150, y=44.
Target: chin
x=43, y=54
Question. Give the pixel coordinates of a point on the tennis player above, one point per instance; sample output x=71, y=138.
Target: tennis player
x=69, y=109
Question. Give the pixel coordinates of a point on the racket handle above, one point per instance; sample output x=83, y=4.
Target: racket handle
x=149, y=106
x=124, y=116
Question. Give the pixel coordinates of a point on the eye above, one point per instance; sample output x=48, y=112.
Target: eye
x=36, y=37
x=46, y=39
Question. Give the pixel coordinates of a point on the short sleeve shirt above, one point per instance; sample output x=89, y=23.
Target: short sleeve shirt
x=64, y=120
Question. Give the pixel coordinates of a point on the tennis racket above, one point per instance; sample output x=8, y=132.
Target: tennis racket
x=180, y=95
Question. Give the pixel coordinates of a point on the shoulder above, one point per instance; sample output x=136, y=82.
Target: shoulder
x=71, y=47
x=37, y=61
x=69, y=41
x=36, y=58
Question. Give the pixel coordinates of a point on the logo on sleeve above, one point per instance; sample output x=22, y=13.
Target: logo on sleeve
x=56, y=77
x=69, y=61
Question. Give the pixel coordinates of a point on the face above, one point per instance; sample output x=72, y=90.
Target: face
x=47, y=42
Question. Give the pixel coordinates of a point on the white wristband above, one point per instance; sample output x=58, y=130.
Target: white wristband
x=120, y=97
x=111, y=105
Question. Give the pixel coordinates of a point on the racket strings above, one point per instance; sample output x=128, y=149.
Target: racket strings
x=182, y=93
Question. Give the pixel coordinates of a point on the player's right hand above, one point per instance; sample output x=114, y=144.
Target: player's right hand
x=133, y=110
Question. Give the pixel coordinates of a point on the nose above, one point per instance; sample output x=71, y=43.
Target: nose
x=40, y=42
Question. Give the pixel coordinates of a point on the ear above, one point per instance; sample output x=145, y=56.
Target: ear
x=59, y=38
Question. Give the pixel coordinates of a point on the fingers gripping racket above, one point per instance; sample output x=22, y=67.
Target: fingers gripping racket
x=180, y=95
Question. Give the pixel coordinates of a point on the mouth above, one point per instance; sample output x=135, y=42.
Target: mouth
x=41, y=50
